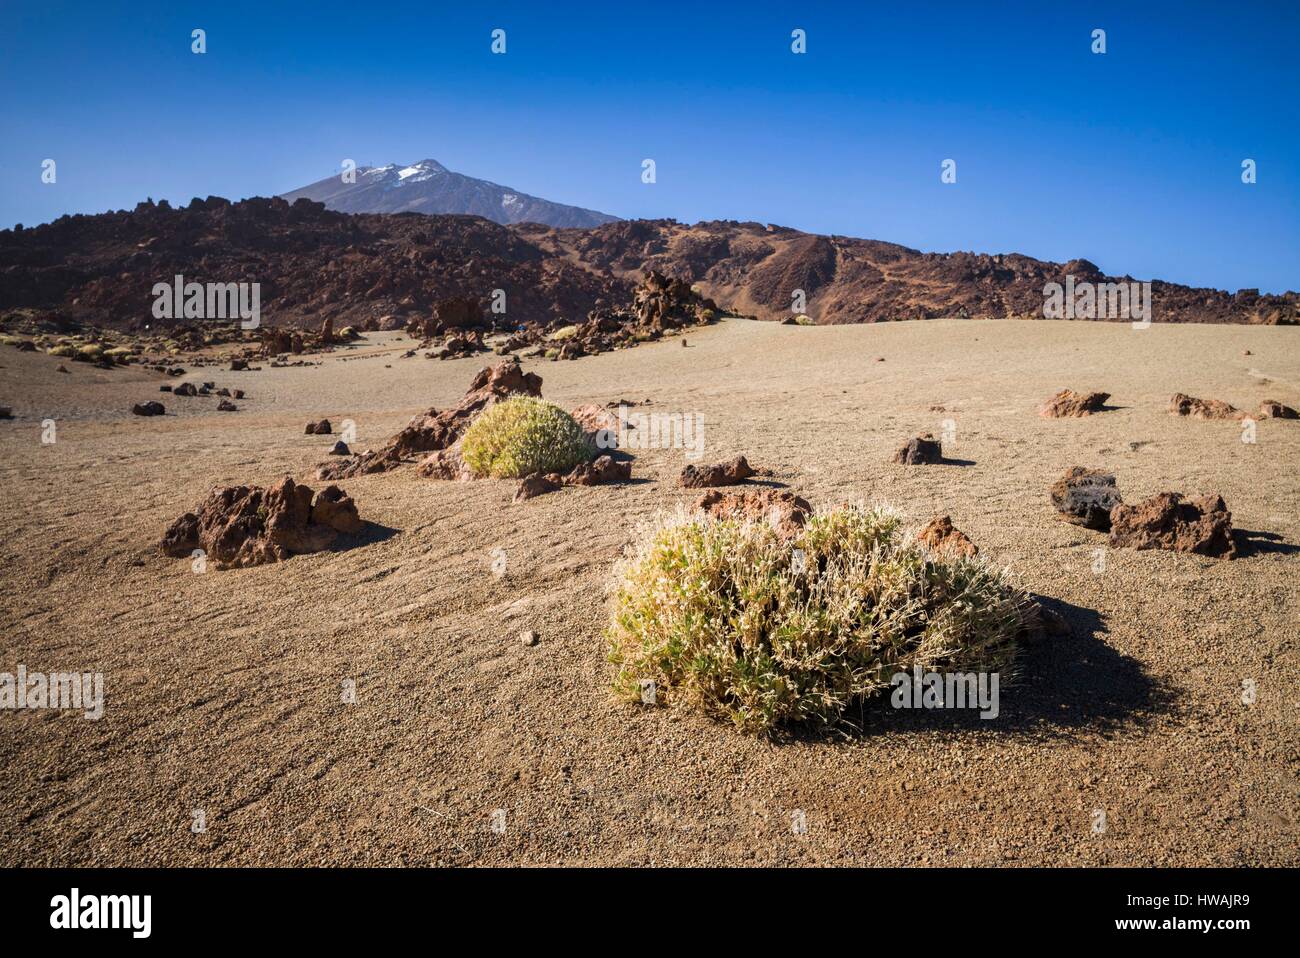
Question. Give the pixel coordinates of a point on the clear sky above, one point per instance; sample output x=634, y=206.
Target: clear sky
x=1131, y=159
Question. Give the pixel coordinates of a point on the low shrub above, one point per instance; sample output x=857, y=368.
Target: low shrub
x=727, y=616
x=523, y=435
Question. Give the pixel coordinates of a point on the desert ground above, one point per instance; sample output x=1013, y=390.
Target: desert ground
x=223, y=689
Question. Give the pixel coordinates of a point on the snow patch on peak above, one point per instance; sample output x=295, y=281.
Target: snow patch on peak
x=508, y=199
x=425, y=169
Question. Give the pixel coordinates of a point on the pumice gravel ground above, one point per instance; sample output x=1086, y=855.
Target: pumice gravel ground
x=466, y=746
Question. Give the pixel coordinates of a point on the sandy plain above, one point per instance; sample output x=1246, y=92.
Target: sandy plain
x=223, y=689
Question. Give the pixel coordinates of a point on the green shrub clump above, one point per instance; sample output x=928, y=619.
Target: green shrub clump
x=523, y=435
x=727, y=616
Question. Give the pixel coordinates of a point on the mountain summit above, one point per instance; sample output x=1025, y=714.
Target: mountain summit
x=429, y=187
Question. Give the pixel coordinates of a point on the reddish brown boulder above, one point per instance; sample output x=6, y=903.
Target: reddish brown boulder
x=719, y=474
x=434, y=430
x=923, y=450
x=1272, y=409
x=604, y=469
x=335, y=508
x=150, y=408
x=361, y=464
x=227, y=406
x=249, y=525
x=941, y=536
x=321, y=428
x=1085, y=497
x=457, y=346
x=537, y=484
x=275, y=341
x=444, y=464
x=781, y=509
x=600, y=425
x=459, y=312
x=1166, y=521
x=1180, y=404
x=1070, y=404
x=438, y=430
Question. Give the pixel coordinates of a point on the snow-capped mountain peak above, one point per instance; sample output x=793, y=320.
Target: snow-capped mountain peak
x=429, y=187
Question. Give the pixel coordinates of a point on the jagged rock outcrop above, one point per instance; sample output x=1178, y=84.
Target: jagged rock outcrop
x=438, y=430
x=1167, y=521
x=249, y=525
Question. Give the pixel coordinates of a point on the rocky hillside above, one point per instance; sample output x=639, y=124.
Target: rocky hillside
x=312, y=264
x=429, y=187
x=754, y=269
x=386, y=271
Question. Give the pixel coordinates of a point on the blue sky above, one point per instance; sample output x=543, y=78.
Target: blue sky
x=1131, y=159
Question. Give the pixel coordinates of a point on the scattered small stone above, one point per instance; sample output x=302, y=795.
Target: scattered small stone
x=6, y=412
x=164, y=388
x=340, y=448
x=62, y=369
x=529, y=638
x=186, y=389
x=150, y=408
x=227, y=406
